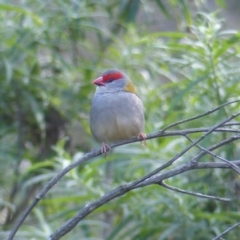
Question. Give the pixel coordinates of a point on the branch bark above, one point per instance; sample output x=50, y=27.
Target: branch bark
x=226, y=231
x=71, y=223
x=151, y=178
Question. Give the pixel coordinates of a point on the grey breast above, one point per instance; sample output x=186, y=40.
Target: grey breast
x=116, y=116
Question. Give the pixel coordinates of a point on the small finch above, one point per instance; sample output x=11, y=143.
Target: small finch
x=117, y=113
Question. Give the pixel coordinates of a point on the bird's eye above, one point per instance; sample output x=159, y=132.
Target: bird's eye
x=110, y=80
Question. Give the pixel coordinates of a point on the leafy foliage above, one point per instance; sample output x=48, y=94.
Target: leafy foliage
x=50, y=51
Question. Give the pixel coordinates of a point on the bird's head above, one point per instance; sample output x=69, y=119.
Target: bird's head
x=114, y=80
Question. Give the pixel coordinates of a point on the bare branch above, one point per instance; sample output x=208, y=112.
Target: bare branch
x=226, y=231
x=218, y=145
x=71, y=223
x=231, y=124
x=199, y=116
x=50, y=184
x=187, y=149
x=232, y=165
x=193, y=193
x=97, y=152
x=94, y=153
x=146, y=180
x=181, y=169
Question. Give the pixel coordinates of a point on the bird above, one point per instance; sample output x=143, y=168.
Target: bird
x=117, y=113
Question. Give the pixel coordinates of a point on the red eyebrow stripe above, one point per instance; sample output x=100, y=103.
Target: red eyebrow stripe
x=113, y=76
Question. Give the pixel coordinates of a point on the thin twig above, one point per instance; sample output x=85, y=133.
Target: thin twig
x=232, y=165
x=185, y=150
x=193, y=193
x=50, y=184
x=71, y=223
x=181, y=169
x=97, y=152
x=199, y=116
x=182, y=132
x=226, y=231
x=193, y=163
x=220, y=144
x=232, y=124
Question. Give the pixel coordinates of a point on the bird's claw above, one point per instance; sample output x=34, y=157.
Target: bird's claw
x=143, y=137
x=105, y=148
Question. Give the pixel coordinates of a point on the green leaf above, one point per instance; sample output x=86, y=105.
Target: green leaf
x=129, y=10
x=36, y=109
x=163, y=8
x=221, y=3
x=9, y=70
x=122, y=225
x=183, y=5
x=14, y=8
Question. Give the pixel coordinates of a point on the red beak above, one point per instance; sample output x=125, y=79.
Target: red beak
x=98, y=81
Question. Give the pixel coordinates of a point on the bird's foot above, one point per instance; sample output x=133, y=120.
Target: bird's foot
x=105, y=148
x=142, y=136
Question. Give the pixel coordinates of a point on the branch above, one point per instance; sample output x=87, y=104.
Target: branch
x=146, y=180
x=220, y=144
x=95, y=153
x=199, y=116
x=71, y=223
x=50, y=184
x=232, y=165
x=226, y=231
x=193, y=193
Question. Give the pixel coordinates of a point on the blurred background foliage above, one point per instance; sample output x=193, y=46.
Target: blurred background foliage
x=183, y=57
